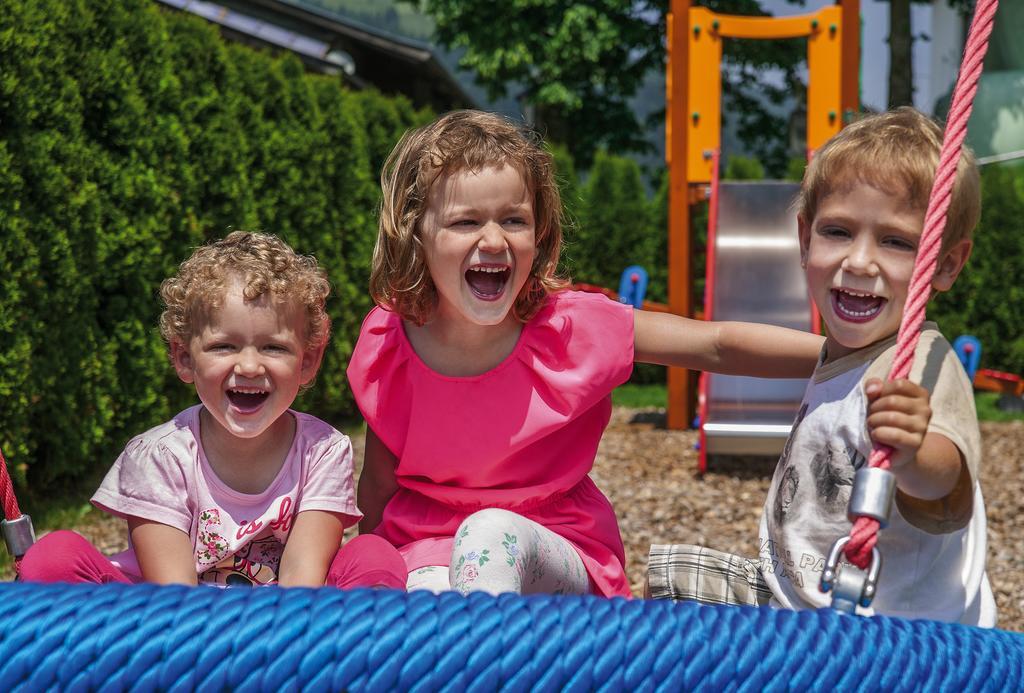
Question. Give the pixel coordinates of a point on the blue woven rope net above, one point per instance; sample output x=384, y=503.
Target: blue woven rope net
x=149, y=638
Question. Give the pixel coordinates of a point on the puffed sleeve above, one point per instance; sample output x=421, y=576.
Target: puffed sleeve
x=378, y=374
x=149, y=480
x=580, y=347
x=328, y=482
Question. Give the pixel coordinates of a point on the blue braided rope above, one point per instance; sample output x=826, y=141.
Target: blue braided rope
x=148, y=638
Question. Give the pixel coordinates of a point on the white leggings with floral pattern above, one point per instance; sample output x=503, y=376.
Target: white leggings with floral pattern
x=499, y=551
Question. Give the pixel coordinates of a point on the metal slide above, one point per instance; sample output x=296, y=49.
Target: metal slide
x=754, y=275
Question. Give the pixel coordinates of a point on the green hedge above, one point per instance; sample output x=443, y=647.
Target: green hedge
x=129, y=135
x=987, y=299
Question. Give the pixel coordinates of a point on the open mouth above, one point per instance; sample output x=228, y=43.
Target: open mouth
x=247, y=400
x=487, y=282
x=856, y=306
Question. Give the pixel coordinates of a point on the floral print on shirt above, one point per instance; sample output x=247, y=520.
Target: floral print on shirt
x=211, y=546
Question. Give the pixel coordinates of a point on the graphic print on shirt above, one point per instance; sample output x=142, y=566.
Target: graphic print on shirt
x=256, y=563
x=831, y=470
x=211, y=546
x=790, y=479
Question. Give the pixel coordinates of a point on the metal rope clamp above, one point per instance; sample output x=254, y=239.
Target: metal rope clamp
x=872, y=496
x=19, y=535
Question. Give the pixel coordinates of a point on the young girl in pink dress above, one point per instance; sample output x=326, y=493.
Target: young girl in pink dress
x=486, y=385
x=239, y=489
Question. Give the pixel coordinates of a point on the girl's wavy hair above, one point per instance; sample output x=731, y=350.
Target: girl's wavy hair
x=455, y=142
x=265, y=264
x=898, y=148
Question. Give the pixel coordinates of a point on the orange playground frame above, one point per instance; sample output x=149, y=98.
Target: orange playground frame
x=693, y=123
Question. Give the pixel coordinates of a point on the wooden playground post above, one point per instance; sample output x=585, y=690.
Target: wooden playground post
x=680, y=301
x=693, y=123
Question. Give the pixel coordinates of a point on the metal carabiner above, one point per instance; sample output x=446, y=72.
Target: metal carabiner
x=850, y=586
x=18, y=535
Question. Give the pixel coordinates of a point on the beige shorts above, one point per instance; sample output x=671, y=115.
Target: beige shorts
x=694, y=573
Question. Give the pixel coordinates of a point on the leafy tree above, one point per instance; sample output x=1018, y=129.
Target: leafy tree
x=901, y=44
x=577, y=65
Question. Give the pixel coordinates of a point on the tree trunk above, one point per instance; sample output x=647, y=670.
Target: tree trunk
x=901, y=64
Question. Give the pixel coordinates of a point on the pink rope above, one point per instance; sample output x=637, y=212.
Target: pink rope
x=7, y=497
x=9, y=501
x=864, y=534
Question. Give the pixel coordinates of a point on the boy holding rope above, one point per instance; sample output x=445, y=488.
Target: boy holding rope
x=861, y=212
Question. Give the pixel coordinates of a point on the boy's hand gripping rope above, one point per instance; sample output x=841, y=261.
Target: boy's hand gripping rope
x=872, y=492
x=17, y=528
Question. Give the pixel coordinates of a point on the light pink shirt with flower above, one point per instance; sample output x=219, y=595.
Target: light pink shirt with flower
x=238, y=538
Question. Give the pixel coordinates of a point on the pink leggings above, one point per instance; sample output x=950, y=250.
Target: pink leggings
x=64, y=556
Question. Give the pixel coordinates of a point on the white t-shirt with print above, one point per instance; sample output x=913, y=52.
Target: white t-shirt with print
x=933, y=565
x=238, y=538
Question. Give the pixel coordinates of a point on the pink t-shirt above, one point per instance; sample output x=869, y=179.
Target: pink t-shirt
x=163, y=475
x=521, y=436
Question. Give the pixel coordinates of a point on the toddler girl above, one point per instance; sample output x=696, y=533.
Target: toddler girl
x=239, y=489
x=485, y=385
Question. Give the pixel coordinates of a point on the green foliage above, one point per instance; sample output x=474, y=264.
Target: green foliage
x=578, y=63
x=615, y=228
x=569, y=189
x=639, y=396
x=129, y=135
x=987, y=299
x=795, y=169
x=987, y=406
x=743, y=168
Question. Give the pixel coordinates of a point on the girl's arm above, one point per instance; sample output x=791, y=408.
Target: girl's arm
x=312, y=544
x=733, y=348
x=164, y=553
x=377, y=482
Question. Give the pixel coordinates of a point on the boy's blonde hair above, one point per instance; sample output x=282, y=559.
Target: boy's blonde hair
x=265, y=264
x=456, y=142
x=887, y=150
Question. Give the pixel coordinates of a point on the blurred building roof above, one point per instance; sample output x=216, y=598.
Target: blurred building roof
x=334, y=43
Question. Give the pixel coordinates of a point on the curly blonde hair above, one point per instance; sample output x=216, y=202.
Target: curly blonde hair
x=455, y=142
x=264, y=263
x=896, y=148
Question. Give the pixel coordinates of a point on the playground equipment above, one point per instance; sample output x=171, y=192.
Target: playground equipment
x=754, y=275
x=756, y=262
x=632, y=290
x=147, y=638
x=693, y=124
x=1009, y=386
x=968, y=350
x=633, y=286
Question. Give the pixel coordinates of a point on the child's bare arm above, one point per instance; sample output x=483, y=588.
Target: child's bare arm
x=377, y=482
x=312, y=544
x=735, y=348
x=927, y=465
x=164, y=553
